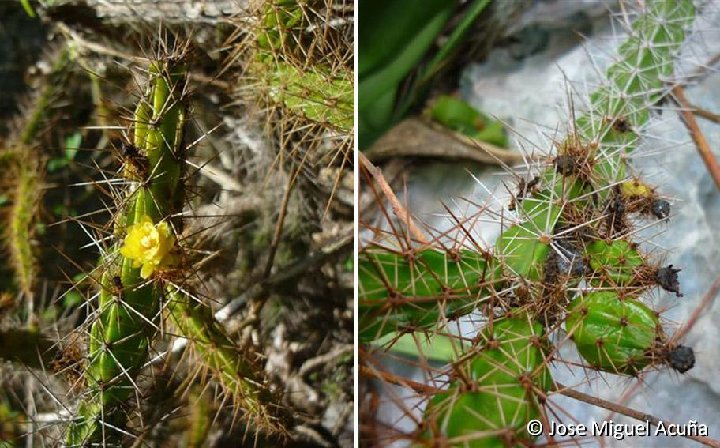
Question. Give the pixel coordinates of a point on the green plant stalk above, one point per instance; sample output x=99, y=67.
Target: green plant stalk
x=238, y=375
x=42, y=104
x=129, y=305
x=199, y=421
x=22, y=217
x=27, y=168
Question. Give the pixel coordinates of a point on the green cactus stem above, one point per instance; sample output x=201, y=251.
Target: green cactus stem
x=506, y=383
x=577, y=210
x=129, y=302
x=614, y=335
x=421, y=285
x=239, y=375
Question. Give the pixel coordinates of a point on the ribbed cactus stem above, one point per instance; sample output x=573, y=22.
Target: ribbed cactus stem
x=25, y=165
x=129, y=299
x=27, y=171
x=410, y=291
x=501, y=388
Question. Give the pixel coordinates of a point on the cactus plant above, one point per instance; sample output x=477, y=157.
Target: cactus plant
x=129, y=299
x=133, y=290
x=565, y=262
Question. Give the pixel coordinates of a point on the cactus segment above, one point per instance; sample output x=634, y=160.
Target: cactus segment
x=22, y=217
x=238, y=374
x=129, y=304
x=646, y=61
x=400, y=292
x=615, y=262
x=321, y=92
x=524, y=247
x=613, y=335
x=316, y=93
x=280, y=19
x=512, y=349
x=509, y=378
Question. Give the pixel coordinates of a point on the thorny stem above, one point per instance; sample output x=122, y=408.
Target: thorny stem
x=284, y=274
x=686, y=112
x=624, y=410
x=699, y=309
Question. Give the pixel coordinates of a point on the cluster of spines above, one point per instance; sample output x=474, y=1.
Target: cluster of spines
x=574, y=223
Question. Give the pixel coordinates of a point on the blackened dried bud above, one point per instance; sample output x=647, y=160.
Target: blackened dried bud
x=617, y=205
x=129, y=150
x=681, y=358
x=566, y=165
x=661, y=208
x=667, y=278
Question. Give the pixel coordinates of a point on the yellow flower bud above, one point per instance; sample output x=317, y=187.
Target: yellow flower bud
x=148, y=245
x=636, y=188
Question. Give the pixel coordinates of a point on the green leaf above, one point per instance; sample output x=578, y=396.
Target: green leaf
x=392, y=40
x=72, y=144
x=28, y=8
x=460, y=116
x=434, y=347
x=56, y=164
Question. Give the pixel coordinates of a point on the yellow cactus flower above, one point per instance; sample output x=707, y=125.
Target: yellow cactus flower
x=148, y=245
